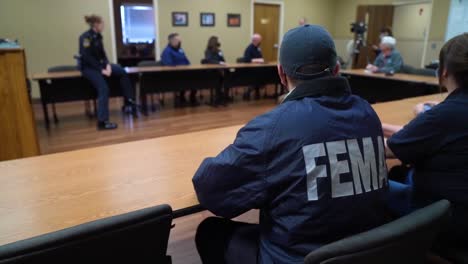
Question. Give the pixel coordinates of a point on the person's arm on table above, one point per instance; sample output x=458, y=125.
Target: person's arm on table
x=393, y=67
x=419, y=139
x=425, y=106
x=258, y=60
x=373, y=67
x=234, y=182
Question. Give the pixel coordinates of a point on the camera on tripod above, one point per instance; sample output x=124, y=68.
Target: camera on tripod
x=358, y=28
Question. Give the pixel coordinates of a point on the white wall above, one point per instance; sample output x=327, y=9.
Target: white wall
x=458, y=18
x=410, y=27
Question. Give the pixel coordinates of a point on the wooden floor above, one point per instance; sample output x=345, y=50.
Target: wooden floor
x=76, y=131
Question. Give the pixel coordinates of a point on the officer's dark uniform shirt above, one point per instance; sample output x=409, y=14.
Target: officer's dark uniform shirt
x=252, y=52
x=174, y=56
x=436, y=143
x=92, y=54
x=314, y=166
x=214, y=56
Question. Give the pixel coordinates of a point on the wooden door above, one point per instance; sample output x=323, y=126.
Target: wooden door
x=266, y=23
x=376, y=17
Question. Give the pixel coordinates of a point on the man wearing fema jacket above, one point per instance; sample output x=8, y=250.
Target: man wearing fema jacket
x=314, y=166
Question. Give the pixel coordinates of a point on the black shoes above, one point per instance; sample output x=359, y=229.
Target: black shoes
x=106, y=125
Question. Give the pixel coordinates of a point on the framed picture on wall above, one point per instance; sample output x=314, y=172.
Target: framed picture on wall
x=207, y=19
x=233, y=20
x=180, y=19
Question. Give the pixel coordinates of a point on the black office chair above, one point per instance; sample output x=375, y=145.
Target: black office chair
x=149, y=63
x=241, y=60
x=152, y=63
x=408, y=69
x=405, y=240
x=136, y=237
x=426, y=72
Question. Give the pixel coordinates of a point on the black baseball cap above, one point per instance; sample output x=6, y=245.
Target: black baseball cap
x=304, y=46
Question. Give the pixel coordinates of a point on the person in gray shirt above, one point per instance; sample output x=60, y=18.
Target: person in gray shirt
x=389, y=60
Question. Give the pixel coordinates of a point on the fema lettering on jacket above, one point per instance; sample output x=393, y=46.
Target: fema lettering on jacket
x=367, y=166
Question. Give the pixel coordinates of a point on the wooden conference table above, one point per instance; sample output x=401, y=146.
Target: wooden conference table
x=377, y=87
x=69, y=86
x=51, y=192
x=59, y=87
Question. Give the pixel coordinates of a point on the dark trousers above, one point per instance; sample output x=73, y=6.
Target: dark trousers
x=221, y=241
x=99, y=82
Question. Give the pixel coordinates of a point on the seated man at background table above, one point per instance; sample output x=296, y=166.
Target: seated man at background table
x=389, y=60
x=253, y=54
x=314, y=166
x=174, y=55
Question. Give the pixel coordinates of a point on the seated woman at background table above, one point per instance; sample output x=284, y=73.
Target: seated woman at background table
x=213, y=53
x=435, y=145
x=389, y=60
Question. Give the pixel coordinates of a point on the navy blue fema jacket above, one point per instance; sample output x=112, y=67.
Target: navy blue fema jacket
x=314, y=166
x=174, y=56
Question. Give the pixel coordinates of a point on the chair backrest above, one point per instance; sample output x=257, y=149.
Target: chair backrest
x=425, y=72
x=408, y=69
x=405, y=240
x=63, y=68
x=136, y=237
x=241, y=60
x=149, y=63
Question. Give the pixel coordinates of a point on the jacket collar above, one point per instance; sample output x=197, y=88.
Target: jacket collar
x=94, y=34
x=325, y=86
x=457, y=93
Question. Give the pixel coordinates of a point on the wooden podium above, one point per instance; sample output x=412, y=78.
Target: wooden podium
x=18, y=138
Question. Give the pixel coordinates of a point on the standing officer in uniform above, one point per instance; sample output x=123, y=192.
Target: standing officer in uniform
x=314, y=166
x=174, y=55
x=95, y=67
